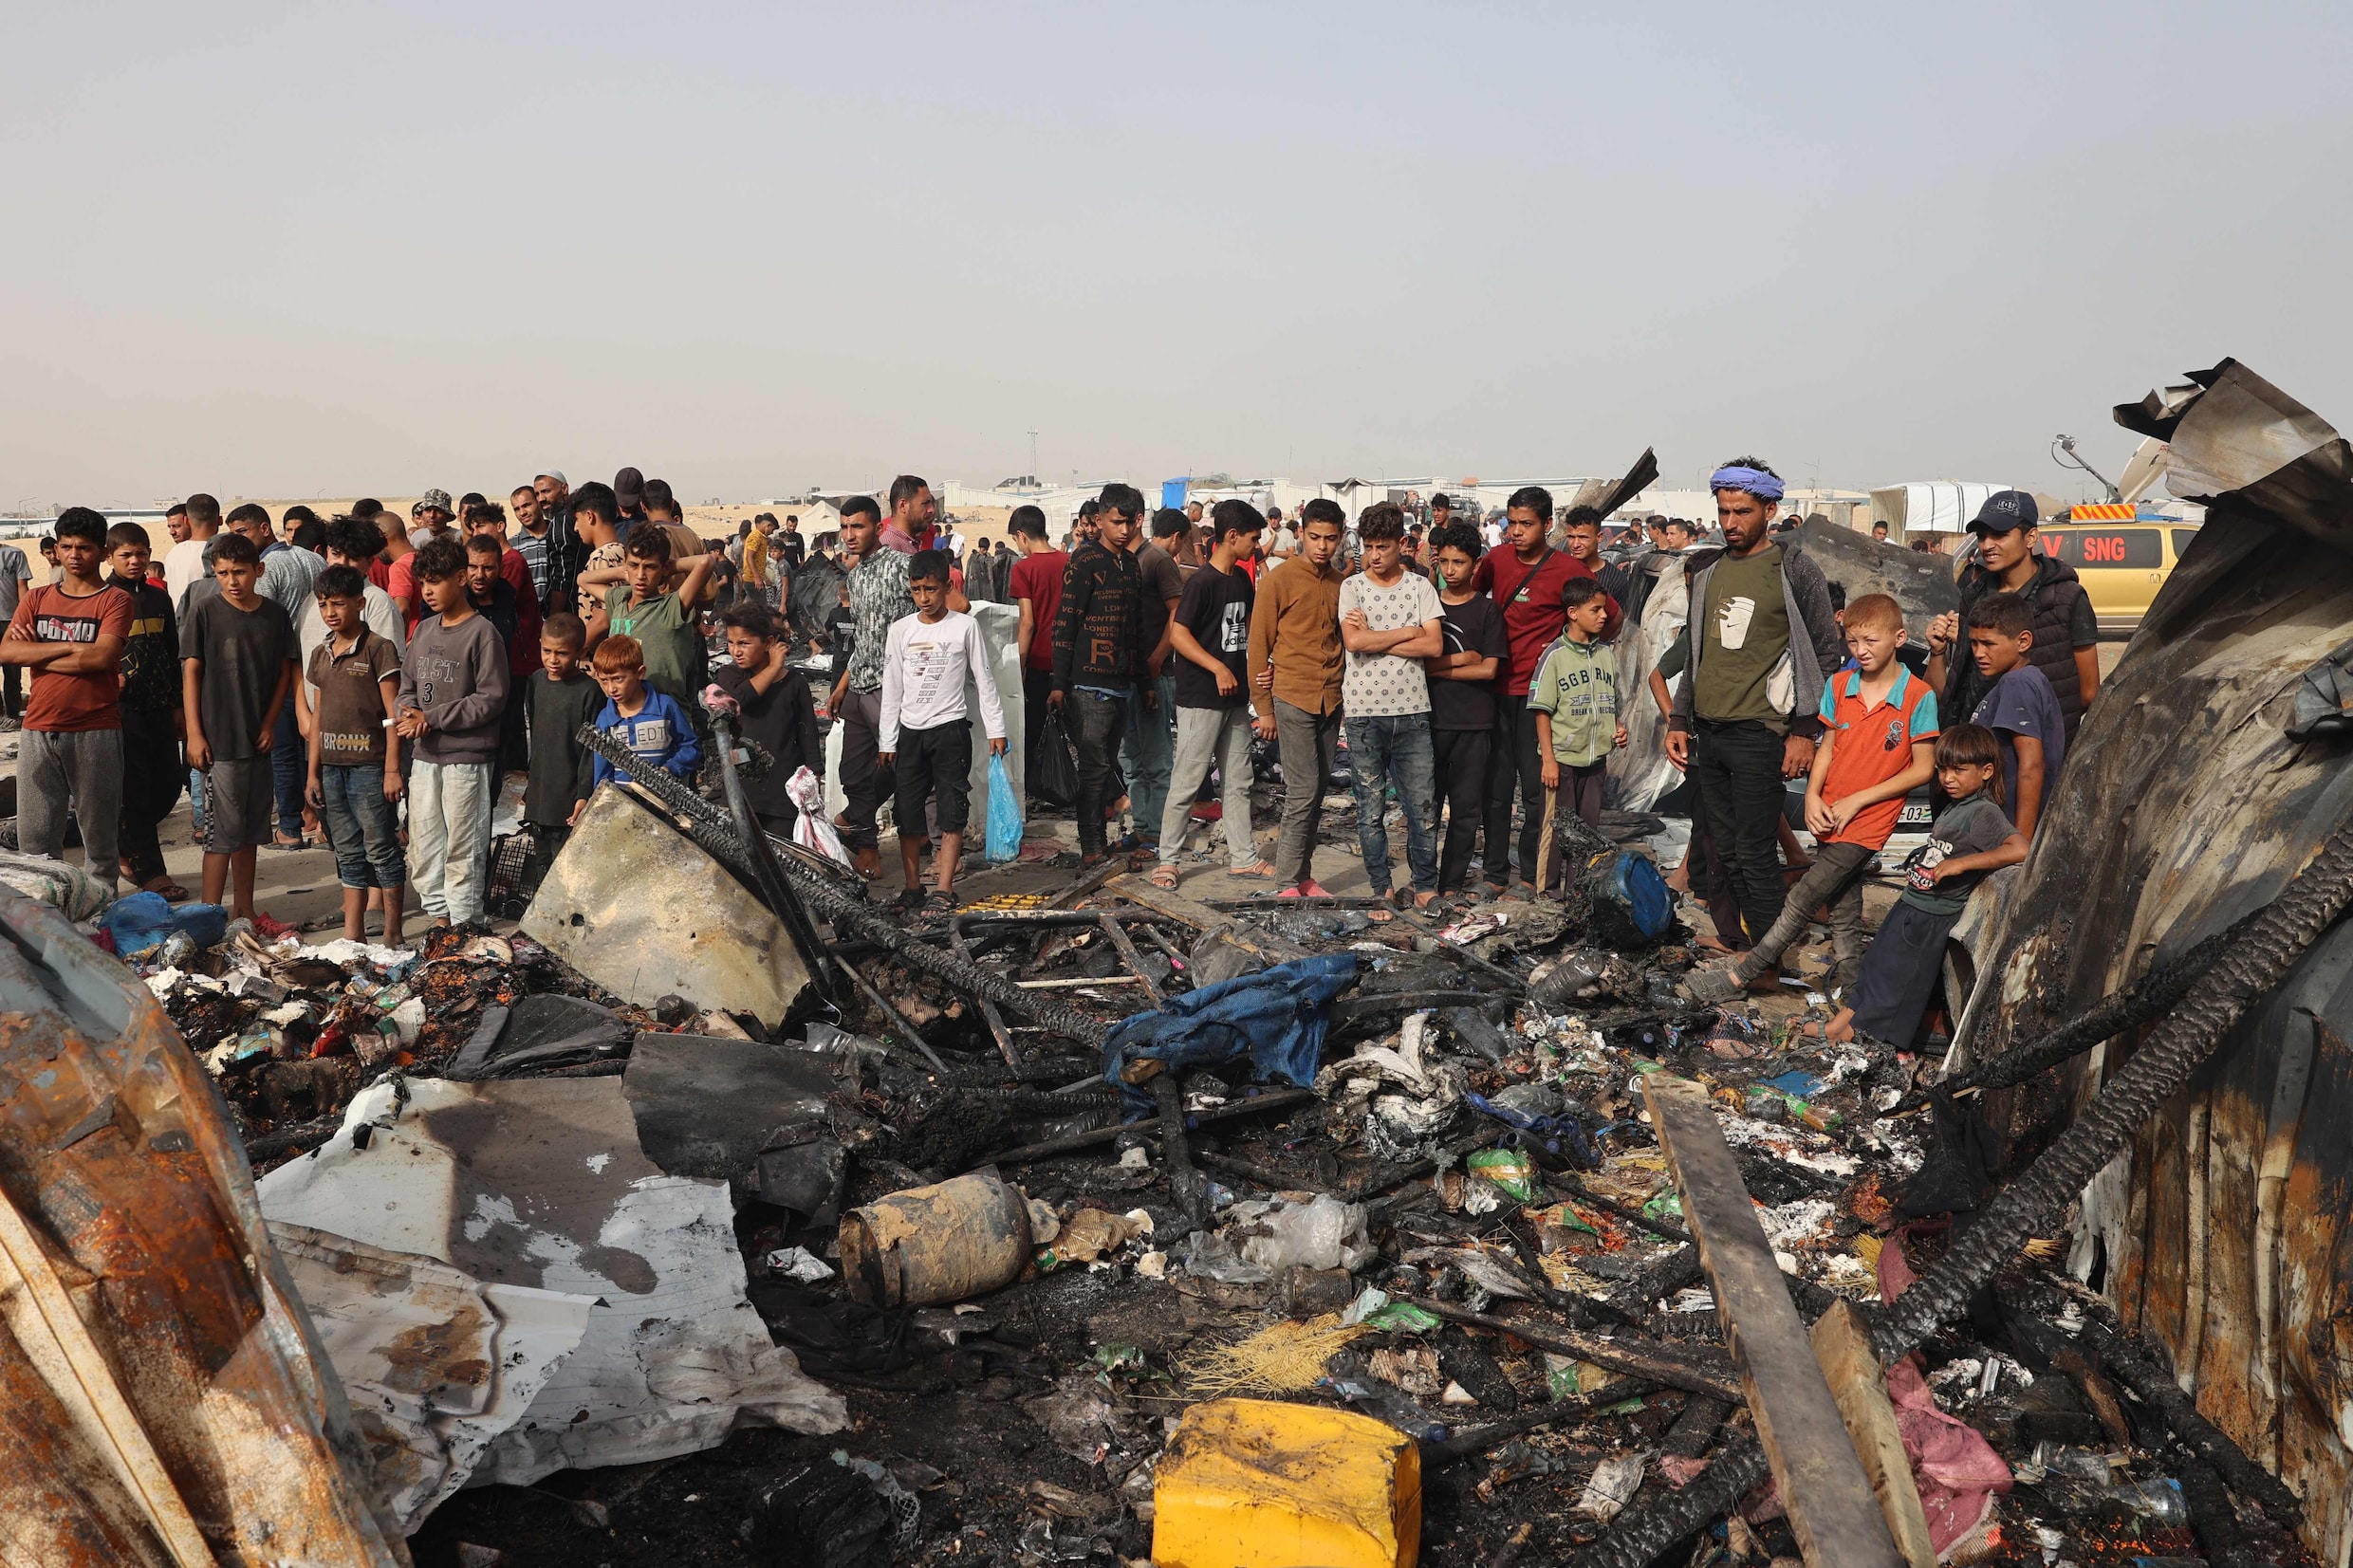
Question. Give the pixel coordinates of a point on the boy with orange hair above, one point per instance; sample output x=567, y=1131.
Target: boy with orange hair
x=651, y=724
x=1878, y=735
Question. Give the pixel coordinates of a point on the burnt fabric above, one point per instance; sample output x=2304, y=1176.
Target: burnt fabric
x=1277, y=1018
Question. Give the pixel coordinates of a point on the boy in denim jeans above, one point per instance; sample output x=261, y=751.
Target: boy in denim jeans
x=352, y=688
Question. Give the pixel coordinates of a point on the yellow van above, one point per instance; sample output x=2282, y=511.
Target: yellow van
x=2123, y=564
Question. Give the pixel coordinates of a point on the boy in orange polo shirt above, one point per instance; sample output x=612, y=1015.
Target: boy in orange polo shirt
x=1879, y=743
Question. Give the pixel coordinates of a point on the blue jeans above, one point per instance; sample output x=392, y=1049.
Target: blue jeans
x=361, y=827
x=1149, y=751
x=1380, y=750
x=289, y=762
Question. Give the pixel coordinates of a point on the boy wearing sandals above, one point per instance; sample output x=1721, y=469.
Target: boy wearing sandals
x=926, y=737
x=1210, y=635
x=1390, y=620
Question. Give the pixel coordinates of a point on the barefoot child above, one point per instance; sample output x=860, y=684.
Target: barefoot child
x=238, y=666
x=926, y=736
x=1970, y=839
x=351, y=687
x=1879, y=733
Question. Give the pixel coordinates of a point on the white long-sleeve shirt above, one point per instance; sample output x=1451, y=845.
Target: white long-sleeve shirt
x=924, y=664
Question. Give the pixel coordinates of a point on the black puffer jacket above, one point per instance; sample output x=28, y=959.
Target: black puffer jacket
x=2054, y=594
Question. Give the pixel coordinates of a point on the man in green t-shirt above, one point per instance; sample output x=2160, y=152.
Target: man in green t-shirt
x=1763, y=639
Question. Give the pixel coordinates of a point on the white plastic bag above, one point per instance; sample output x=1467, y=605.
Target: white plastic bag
x=1322, y=1233
x=813, y=831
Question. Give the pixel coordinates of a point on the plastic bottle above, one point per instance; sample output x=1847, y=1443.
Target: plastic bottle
x=2157, y=1503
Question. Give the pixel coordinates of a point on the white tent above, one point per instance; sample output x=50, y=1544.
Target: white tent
x=1929, y=505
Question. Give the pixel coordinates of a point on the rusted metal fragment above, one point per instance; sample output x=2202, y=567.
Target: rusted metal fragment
x=114, y=1152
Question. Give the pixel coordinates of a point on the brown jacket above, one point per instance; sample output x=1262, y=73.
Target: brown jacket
x=1296, y=624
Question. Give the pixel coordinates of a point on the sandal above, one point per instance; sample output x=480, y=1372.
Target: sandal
x=1164, y=876
x=939, y=901
x=1258, y=872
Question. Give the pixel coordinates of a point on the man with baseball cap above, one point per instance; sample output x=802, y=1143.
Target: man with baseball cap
x=629, y=489
x=2067, y=631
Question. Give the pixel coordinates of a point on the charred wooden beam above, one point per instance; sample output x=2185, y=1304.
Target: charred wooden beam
x=1832, y=1508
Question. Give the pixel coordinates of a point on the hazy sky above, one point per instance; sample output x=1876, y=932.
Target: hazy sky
x=283, y=250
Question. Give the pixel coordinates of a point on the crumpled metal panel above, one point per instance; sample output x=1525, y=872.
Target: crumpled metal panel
x=639, y=908
x=116, y=1153
x=2182, y=808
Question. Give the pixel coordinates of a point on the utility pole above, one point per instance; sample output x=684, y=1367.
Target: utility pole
x=1033, y=456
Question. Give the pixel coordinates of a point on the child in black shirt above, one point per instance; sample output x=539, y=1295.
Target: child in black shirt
x=152, y=774
x=779, y=712
x=559, y=698
x=1969, y=840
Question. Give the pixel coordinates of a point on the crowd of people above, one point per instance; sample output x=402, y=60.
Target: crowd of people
x=344, y=676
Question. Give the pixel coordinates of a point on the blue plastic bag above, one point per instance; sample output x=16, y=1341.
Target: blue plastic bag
x=139, y=922
x=1004, y=815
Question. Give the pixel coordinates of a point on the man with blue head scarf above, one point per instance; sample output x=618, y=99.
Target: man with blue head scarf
x=1763, y=639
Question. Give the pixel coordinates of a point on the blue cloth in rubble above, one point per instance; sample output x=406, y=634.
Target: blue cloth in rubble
x=1277, y=1017
x=1558, y=1134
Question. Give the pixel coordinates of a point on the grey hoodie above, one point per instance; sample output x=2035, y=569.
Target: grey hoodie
x=1806, y=594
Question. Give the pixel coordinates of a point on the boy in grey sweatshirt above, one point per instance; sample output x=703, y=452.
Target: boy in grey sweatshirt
x=454, y=685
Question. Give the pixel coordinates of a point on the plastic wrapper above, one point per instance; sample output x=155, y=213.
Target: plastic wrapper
x=813, y=831
x=1509, y=1169
x=1321, y=1233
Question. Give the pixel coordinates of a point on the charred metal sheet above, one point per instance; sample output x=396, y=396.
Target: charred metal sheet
x=542, y=1184
x=2184, y=805
x=114, y=1155
x=738, y=1111
x=1923, y=585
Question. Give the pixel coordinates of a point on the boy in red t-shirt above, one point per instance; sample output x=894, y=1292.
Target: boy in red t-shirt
x=1879, y=743
x=1036, y=587
x=1526, y=581
x=70, y=634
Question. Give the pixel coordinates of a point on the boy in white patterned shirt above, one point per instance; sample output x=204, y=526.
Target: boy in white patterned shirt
x=1390, y=620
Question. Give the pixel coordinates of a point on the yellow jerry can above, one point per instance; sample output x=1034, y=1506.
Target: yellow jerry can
x=1259, y=1484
